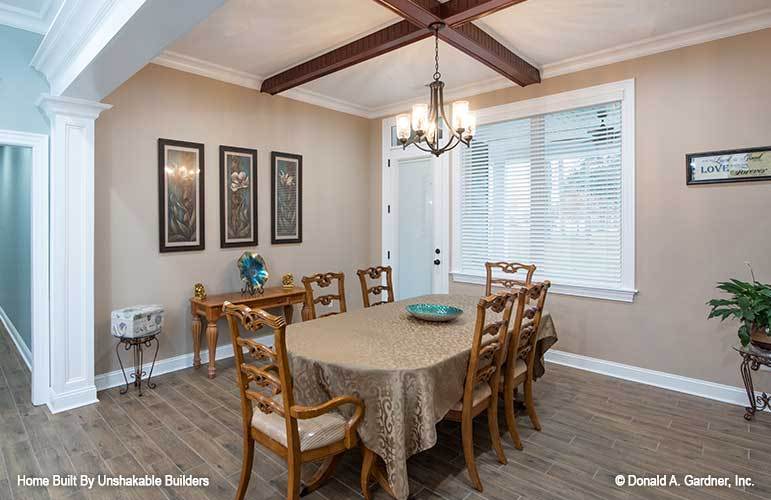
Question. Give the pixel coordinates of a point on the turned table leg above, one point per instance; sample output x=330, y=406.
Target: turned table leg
x=211, y=337
x=288, y=312
x=196, y=341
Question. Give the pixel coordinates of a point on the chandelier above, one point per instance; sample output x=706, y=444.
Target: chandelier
x=424, y=127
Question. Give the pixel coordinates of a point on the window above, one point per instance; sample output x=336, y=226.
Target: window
x=551, y=182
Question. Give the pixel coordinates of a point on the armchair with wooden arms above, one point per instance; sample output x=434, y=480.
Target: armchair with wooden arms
x=298, y=434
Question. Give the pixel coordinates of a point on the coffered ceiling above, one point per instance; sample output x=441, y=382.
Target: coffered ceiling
x=30, y=15
x=246, y=41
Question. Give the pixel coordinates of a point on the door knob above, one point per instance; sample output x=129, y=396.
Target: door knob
x=437, y=262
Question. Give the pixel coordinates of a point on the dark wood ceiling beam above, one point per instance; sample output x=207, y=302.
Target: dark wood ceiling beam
x=468, y=38
x=471, y=40
x=457, y=12
x=382, y=41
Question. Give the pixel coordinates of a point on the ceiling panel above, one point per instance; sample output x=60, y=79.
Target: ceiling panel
x=263, y=37
x=547, y=31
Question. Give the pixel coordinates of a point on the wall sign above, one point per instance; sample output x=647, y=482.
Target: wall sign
x=735, y=165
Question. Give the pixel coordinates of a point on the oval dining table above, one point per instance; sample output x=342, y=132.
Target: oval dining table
x=408, y=372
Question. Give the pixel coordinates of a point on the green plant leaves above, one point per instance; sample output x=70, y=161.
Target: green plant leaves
x=750, y=303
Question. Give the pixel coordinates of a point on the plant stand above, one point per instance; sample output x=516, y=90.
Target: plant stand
x=752, y=359
x=137, y=344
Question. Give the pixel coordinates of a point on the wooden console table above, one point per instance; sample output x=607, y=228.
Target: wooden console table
x=210, y=308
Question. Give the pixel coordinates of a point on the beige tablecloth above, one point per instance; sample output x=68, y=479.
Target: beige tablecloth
x=408, y=372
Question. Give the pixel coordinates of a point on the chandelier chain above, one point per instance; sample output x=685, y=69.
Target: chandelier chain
x=437, y=74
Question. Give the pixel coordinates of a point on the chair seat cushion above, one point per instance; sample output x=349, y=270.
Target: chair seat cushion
x=314, y=432
x=520, y=368
x=481, y=392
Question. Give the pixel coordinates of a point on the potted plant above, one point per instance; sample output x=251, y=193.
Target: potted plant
x=750, y=303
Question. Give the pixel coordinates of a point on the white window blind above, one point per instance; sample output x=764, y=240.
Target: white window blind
x=545, y=189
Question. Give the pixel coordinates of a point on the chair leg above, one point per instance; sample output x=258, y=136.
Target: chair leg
x=324, y=472
x=467, y=433
x=368, y=462
x=246, y=467
x=530, y=403
x=495, y=433
x=294, y=479
x=511, y=415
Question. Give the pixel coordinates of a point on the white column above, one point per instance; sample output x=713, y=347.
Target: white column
x=71, y=250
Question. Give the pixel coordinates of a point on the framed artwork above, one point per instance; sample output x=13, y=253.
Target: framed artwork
x=238, y=197
x=733, y=165
x=286, y=204
x=180, y=195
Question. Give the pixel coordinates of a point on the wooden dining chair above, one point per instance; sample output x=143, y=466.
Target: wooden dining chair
x=323, y=280
x=483, y=378
x=376, y=273
x=520, y=358
x=298, y=434
x=508, y=268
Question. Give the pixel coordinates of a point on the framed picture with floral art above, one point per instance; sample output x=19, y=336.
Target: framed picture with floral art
x=180, y=195
x=286, y=206
x=238, y=197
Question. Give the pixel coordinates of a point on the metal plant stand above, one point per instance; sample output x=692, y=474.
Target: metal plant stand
x=752, y=359
x=138, y=345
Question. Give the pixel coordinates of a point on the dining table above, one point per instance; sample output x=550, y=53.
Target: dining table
x=408, y=372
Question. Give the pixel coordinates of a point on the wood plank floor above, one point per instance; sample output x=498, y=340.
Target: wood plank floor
x=594, y=427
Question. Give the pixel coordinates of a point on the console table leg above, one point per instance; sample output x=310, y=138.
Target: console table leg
x=196, y=341
x=746, y=372
x=211, y=336
x=288, y=312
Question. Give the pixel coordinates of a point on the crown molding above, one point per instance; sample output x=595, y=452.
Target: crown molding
x=692, y=36
x=196, y=66
x=27, y=19
x=71, y=106
x=676, y=40
x=81, y=29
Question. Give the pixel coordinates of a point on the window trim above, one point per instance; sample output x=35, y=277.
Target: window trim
x=623, y=91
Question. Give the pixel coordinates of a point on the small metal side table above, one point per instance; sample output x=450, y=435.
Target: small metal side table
x=137, y=344
x=752, y=359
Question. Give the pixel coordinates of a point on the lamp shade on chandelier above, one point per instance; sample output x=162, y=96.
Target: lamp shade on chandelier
x=423, y=128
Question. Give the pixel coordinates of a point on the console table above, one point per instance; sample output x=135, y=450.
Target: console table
x=210, y=309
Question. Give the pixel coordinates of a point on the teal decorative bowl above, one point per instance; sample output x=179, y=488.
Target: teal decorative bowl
x=434, y=312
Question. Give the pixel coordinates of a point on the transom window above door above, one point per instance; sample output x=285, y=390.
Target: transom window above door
x=550, y=182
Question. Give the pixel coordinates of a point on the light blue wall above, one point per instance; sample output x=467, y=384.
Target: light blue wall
x=20, y=85
x=15, y=222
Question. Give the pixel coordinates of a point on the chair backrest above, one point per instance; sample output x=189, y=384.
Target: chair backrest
x=376, y=273
x=527, y=320
x=489, y=345
x=272, y=374
x=508, y=268
x=323, y=280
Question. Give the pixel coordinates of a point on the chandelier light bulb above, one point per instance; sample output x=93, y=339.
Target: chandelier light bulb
x=469, y=126
x=420, y=118
x=459, y=115
x=403, y=127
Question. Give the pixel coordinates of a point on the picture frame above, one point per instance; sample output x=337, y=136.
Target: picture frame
x=730, y=165
x=285, y=198
x=181, y=196
x=238, y=197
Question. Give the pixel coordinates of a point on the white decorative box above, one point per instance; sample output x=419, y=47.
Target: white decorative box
x=137, y=321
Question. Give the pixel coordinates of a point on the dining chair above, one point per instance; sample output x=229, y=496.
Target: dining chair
x=323, y=280
x=508, y=268
x=298, y=434
x=520, y=358
x=376, y=273
x=483, y=378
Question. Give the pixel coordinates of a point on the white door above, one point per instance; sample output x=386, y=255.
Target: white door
x=415, y=218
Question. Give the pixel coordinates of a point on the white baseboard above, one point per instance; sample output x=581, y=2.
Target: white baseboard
x=696, y=387
x=59, y=402
x=168, y=365
x=24, y=351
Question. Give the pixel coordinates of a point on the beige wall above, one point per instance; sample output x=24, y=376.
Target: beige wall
x=702, y=98
x=160, y=102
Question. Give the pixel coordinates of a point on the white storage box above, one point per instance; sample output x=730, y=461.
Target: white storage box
x=137, y=321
